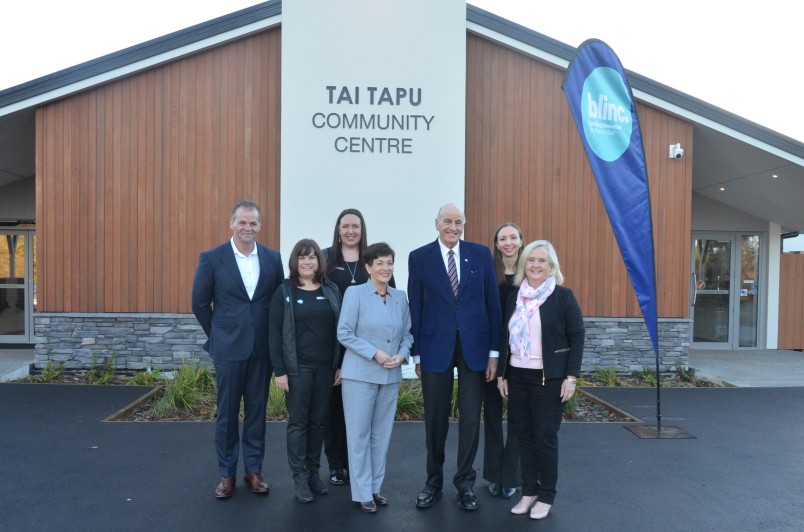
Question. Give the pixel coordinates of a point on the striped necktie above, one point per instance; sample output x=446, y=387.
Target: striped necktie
x=453, y=272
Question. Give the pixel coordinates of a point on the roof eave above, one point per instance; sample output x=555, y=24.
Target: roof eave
x=129, y=56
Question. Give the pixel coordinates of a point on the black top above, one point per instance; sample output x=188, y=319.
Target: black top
x=505, y=290
x=316, y=325
x=346, y=274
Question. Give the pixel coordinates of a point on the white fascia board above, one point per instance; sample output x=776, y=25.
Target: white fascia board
x=141, y=65
x=639, y=95
x=720, y=128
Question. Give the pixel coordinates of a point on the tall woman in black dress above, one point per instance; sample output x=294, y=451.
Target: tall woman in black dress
x=305, y=353
x=501, y=455
x=344, y=268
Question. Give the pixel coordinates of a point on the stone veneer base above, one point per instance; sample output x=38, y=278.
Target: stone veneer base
x=141, y=341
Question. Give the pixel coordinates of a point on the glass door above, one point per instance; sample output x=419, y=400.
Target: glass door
x=725, y=279
x=749, y=293
x=712, y=266
x=15, y=285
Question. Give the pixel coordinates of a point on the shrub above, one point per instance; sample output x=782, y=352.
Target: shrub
x=104, y=372
x=147, y=378
x=571, y=406
x=410, y=404
x=607, y=377
x=276, y=407
x=50, y=374
x=189, y=385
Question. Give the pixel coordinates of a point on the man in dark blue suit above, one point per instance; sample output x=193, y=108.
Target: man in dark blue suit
x=456, y=318
x=232, y=292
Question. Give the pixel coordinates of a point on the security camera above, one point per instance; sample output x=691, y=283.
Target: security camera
x=675, y=151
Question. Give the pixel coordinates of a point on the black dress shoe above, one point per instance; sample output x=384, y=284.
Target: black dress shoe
x=316, y=485
x=379, y=499
x=369, y=507
x=467, y=499
x=508, y=492
x=428, y=496
x=494, y=489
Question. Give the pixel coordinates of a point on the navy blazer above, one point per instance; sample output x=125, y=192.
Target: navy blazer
x=436, y=314
x=235, y=325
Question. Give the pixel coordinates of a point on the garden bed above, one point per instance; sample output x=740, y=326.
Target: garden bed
x=188, y=394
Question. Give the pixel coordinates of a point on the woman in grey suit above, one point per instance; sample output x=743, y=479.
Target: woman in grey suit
x=374, y=327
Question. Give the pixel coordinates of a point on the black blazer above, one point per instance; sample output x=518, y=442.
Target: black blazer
x=562, y=334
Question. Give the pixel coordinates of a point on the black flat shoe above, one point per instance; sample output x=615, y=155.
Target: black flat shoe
x=494, y=489
x=507, y=493
x=369, y=507
x=467, y=499
x=337, y=477
x=428, y=497
x=379, y=499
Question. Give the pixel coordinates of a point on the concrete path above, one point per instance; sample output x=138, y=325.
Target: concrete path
x=15, y=363
x=749, y=368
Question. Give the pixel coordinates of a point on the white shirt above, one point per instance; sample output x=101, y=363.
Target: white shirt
x=249, y=267
x=445, y=256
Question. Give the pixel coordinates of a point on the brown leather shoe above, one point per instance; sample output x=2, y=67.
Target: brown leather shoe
x=225, y=488
x=379, y=500
x=256, y=483
x=369, y=507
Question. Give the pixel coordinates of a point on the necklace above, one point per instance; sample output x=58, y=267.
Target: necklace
x=351, y=272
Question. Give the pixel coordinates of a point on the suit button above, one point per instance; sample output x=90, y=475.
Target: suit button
x=388, y=341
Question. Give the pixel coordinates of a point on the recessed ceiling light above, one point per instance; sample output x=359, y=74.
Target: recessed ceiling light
x=774, y=176
x=722, y=189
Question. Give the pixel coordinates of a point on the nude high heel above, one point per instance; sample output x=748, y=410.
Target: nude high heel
x=540, y=510
x=524, y=505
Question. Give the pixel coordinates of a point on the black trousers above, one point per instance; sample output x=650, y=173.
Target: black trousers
x=335, y=438
x=437, y=392
x=500, y=453
x=308, y=408
x=537, y=411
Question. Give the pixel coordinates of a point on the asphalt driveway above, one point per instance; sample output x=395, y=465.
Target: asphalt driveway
x=65, y=469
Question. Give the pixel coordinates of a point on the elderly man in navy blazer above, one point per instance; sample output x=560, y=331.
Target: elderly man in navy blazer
x=232, y=291
x=456, y=323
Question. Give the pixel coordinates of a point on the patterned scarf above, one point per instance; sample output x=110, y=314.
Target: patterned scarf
x=528, y=301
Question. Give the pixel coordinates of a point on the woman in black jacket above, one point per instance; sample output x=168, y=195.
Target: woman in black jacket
x=305, y=352
x=541, y=356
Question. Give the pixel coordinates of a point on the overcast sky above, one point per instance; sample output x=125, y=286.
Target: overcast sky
x=741, y=56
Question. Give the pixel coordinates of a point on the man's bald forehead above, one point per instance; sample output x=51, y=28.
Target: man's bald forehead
x=453, y=210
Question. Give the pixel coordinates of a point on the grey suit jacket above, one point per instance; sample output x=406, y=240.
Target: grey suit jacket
x=366, y=325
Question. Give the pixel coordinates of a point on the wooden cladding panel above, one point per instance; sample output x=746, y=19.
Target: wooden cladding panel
x=525, y=163
x=791, y=298
x=135, y=178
